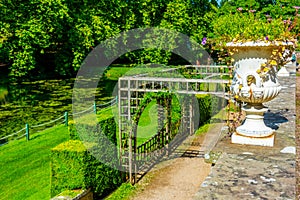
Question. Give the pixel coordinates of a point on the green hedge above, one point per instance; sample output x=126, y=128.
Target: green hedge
x=76, y=164
x=204, y=107
x=209, y=105
x=176, y=116
x=108, y=126
x=72, y=130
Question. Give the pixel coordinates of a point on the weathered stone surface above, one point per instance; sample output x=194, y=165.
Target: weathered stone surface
x=257, y=172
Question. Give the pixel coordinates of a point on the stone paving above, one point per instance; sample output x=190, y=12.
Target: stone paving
x=255, y=172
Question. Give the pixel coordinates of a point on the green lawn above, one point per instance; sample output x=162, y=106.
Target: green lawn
x=116, y=71
x=25, y=165
x=147, y=126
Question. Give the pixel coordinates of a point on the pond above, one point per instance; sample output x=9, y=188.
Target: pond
x=40, y=101
x=37, y=102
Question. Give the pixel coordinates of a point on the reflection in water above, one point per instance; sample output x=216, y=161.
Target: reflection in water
x=3, y=95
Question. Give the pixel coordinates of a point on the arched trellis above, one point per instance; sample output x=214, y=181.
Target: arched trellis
x=130, y=93
x=141, y=157
x=153, y=38
x=157, y=145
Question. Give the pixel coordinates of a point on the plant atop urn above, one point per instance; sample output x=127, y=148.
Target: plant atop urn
x=257, y=47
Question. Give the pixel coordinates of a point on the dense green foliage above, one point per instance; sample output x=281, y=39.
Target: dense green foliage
x=76, y=164
x=205, y=107
x=256, y=20
x=36, y=32
x=252, y=20
x=73, y=167
x=24, y=165
x=209, y=106
x=106, y=123
x=55, y=36
x=247, y=26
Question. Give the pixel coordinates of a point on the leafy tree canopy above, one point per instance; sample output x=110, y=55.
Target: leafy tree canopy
x=38, y=36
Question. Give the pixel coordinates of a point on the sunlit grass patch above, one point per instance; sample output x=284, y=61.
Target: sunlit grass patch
x=25, y=165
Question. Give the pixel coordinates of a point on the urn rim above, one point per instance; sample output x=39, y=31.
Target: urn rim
x=259, y=44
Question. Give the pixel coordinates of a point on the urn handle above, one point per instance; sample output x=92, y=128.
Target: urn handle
x=251, y=78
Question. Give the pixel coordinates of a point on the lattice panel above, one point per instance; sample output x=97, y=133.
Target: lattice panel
x=131, y=90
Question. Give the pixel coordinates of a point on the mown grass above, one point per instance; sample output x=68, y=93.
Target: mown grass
x=114, y=72
x=25, y=165
x=147, y=126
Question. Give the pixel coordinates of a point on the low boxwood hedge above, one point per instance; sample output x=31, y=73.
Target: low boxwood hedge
x=87, y=164
x=209, y=105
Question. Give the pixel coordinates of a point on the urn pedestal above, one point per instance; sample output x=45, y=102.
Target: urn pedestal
x=254, y=131
x=253, y=89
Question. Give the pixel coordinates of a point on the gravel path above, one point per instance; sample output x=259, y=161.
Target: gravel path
x=175, y=179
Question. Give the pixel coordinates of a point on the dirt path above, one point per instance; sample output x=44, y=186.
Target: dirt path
x=176, y=179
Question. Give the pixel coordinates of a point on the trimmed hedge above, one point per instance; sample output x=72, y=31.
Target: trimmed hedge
x=67, y=171
x=72, y=130
x=204, y=107
x=209, y=105
x=76, y=164
x=108, y=126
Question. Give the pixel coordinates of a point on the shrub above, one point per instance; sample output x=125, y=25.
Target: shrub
x=88, y=164
x=209, y=106
x=204, y=107
x=72, y=130
x=107, y=125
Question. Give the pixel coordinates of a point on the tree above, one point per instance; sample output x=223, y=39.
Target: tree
x=63, y=30
x=28, y=30
x=228, y=6
x=39, y=36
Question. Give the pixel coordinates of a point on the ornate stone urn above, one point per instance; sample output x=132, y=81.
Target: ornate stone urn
x=249, y=87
